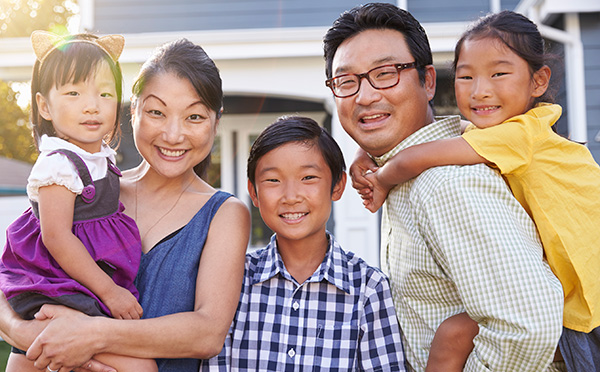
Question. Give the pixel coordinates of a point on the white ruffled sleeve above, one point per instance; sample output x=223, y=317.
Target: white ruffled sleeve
x=55, y=169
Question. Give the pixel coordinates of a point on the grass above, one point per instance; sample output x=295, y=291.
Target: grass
x=4, y=351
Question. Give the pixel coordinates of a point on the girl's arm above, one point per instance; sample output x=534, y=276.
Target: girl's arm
x=56, y=205
x=413, y=161
x=200, y=334
x=359, y=167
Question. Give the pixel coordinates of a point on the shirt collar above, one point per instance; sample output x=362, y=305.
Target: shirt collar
x=48, y=143
x=442, y=127
x=334, y=267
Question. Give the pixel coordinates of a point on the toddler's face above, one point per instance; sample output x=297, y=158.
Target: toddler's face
x=83, y=113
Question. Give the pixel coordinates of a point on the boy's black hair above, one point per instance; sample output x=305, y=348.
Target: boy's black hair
x=301, y=129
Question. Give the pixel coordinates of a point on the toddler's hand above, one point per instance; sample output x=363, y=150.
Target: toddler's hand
x=122, y=304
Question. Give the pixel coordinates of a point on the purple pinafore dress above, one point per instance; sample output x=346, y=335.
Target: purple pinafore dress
x=30, y=277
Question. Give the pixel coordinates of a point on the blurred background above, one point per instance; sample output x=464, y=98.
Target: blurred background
x=270, y=56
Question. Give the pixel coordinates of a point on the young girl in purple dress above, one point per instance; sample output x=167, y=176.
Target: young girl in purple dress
x=74, y=246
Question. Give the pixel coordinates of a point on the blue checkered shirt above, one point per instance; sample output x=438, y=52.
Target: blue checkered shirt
x=340, y=319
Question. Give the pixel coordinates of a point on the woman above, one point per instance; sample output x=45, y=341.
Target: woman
x=188, y=302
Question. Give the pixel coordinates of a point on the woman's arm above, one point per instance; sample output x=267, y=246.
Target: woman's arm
x=56, y=205
x=14, y=330
x=197, y=334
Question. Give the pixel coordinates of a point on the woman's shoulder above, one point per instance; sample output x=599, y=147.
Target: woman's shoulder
x=232, y=205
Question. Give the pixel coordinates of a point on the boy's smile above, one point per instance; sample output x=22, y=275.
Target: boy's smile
x=293, y=193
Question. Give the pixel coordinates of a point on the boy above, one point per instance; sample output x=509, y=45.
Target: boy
x=305, y=303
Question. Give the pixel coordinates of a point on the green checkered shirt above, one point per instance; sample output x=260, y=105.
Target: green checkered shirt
x=454, y=239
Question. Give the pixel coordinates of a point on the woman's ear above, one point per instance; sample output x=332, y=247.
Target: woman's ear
x=42, y=104
x=541, y=81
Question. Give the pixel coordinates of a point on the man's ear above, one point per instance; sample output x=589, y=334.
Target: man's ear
x=339, y=188
x=541, y=81
x=429, y=85
x=252, y=192
x=42, y=104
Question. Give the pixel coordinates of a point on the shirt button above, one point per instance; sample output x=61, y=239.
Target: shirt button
x=296, y=305
x=291, y=353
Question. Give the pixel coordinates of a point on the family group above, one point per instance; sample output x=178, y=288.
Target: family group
x=488, y=221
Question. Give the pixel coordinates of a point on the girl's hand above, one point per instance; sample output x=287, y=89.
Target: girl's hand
x=375, y=199
x=122, y=303
x=361, y=165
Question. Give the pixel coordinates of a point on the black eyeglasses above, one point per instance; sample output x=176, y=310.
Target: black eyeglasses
x=381, y=77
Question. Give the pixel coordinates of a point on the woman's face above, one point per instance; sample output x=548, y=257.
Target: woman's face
x=173, y=129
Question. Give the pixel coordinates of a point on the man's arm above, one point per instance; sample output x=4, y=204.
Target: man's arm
x=493, y=255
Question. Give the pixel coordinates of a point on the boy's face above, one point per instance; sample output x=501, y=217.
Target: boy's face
x=293, y=192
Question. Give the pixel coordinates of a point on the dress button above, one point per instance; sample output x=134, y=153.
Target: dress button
x=296, y=305
x=291, y=353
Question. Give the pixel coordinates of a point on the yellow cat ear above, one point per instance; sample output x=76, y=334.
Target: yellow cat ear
x=113, y=44
x=43, y=42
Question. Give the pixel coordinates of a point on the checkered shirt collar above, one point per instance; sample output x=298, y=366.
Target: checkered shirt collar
x=334, y=267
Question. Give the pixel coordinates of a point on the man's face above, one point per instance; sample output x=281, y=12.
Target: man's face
x=378, y=120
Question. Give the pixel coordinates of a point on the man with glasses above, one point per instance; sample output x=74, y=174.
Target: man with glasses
x=454, y=239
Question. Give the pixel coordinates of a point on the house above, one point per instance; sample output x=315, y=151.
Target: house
x=13, y=198
x=270, y=56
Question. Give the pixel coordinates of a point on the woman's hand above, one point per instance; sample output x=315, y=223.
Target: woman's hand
x=66, y=342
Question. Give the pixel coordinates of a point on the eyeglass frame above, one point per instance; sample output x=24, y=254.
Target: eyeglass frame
x=398, y=66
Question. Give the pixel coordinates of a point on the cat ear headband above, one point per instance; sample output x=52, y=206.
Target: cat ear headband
x=44, y=42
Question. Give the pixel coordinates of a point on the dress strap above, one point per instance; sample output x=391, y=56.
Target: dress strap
x=89, y=190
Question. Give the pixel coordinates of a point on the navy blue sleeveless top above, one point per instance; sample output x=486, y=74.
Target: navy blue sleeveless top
x=168, y=272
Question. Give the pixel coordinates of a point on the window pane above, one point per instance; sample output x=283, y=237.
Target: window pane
x=213, y=176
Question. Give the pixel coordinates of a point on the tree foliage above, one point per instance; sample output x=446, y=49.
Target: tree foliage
x=18, y=18
x=15, y=133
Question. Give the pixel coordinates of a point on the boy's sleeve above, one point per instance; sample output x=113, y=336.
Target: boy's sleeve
x=380, y=346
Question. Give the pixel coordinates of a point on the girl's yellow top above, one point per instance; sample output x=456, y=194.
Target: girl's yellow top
x=558, y=183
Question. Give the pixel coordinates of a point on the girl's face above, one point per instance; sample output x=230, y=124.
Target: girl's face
x=85, y=112
x=173, y=129
x=493, y=83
